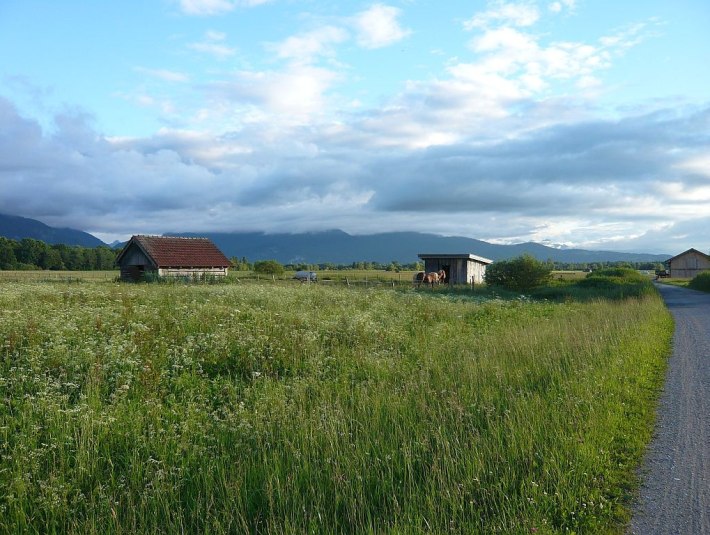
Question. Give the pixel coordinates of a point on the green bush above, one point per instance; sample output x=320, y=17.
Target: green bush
x=701, y=282
x=611, y=283
x=520, y=274
x=269, y=267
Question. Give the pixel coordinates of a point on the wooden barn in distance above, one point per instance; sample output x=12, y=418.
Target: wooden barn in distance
x=460, y=268
x=688, y=264
x=168, y=256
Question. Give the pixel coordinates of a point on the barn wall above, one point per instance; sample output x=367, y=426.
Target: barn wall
x=430, y=264
x=456, y=267
x=459, y=271
x=476, y=272
x=192, y=272
x=689, y=265
x=134, y=264
x=135, y=257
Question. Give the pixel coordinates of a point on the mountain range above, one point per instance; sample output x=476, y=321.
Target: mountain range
x=334, y=246
x=339, y=247
x=17, y=228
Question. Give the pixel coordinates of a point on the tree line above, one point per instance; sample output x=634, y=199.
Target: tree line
x=275, y=267
x=596, y=266
x=28, y=254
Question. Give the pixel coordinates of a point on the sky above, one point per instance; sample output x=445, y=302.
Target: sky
x=577, y=123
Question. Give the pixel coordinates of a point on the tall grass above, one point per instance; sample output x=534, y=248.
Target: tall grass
x=272, y=409
x=701, y=282
x=610, y=283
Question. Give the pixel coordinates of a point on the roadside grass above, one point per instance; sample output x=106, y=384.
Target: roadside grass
x=683, y=283
x=701, y=282
x=267, y=408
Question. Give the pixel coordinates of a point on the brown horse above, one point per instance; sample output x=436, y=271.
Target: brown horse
x=442, y=276
x=418, y=278
x=431, y=278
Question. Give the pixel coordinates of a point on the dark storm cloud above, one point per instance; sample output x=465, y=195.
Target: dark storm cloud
x=556, y=170
x=635, y=172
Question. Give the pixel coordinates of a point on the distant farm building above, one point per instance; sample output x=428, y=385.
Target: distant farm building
x=688, y=264
x=171, y=257
x=460, y=268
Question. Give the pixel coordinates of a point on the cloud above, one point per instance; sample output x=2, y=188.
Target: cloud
x=294, y=95
x=558, y=7
x=164, y=74
x=378, y=26
x=311, y=45
x=507, y=143
x=213, y=44
x=216, y=7
x=520, y=15
x=602, y=180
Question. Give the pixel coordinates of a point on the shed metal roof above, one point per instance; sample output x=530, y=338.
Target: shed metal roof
x=169, y=251
x=466, y=256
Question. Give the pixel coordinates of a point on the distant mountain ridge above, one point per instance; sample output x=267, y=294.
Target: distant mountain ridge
x=17, y=228
x=334, y=246
x=340, y=247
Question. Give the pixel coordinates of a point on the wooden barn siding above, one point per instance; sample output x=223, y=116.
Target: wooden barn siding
x=478, y=272
x=435, y=264
x=135, y=257
x=192, y=272
x=459, y=271
x=132, y=258
x=689, y=265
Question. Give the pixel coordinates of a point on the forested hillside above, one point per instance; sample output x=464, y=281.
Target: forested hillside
x=34, y=254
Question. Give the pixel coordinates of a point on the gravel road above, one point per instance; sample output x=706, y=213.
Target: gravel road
x=675, y=490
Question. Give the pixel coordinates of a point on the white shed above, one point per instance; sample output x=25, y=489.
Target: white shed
x=463, y=268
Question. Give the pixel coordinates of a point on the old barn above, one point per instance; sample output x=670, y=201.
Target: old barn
x=688, y=264
x=171, y=256
x=462, y=268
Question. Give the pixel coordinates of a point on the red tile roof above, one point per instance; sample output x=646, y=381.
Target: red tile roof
x=168, y=251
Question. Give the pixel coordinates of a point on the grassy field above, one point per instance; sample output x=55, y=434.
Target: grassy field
x=57, y=276
x=288, y=408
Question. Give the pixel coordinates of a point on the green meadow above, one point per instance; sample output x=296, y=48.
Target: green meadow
x=308, y=408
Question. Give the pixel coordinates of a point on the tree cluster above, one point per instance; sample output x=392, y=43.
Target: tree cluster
x=268, y=267
x=241, y=265
x=595, y=266
x=394, y=265
x=520, y=274
x=27, y=254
